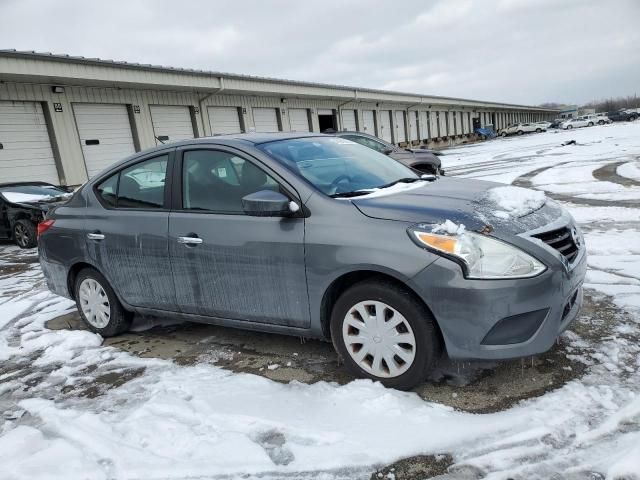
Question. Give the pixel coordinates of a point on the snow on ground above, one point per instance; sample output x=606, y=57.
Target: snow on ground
x=178, y=422
x=630, y=170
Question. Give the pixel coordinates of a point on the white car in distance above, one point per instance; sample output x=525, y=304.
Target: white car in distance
x=520, y=128
x=576, y=123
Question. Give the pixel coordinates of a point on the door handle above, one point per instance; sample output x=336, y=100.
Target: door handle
x=95, y=236
x=190, y=240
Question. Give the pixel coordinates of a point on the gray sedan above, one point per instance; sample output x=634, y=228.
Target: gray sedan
x=316, y=236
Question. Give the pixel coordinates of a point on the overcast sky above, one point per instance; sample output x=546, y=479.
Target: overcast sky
x=521, y=51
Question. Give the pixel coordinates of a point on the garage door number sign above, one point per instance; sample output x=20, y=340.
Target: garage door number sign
x=57, y=107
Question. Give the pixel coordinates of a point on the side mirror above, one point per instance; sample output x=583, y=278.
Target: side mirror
x=267, y=203
x=387, y=151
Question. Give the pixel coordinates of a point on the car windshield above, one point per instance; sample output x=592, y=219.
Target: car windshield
x=32, y=193
x=337, y=166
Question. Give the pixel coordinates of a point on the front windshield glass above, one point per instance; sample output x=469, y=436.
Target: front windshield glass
x=336, y=165
x=31, y=193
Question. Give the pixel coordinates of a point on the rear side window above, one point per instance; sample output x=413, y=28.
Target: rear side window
x=139, y=186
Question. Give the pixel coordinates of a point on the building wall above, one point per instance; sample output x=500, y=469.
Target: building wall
x=66, y=142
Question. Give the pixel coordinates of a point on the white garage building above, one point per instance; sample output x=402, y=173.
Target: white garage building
x=63, y=119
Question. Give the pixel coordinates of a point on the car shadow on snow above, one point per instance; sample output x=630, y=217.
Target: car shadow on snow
x=478, y=387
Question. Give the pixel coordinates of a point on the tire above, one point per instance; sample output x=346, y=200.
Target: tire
x=633, y=119
x=379, y=361
x=24, y=234
x=118, y=319
x=519, y=132
x=569, y=127
x=538, y=130
x=601, y=122
x=590, y=124
x=504, y=134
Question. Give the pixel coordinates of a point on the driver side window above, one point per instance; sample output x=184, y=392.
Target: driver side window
x=216, y=181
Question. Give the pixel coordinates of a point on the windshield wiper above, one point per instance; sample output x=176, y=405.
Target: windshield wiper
x=400, y=180
x=355, y=193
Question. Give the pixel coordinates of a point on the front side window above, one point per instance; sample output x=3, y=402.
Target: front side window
x=216, y=181
x=108, y=190
x=337, y=165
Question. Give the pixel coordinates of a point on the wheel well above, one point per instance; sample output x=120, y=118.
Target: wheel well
x=73, y=273
x=342, y=283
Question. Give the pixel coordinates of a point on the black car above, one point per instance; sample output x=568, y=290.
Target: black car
x=425, y=161
x=23, y=206
x=622, y=116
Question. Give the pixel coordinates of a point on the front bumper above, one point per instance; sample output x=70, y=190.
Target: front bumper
x=500, y=319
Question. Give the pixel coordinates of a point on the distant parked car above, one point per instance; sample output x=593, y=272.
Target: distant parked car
x=23, y=206
x=424, y=161
x=576, y=123
x=596, y=119
x=543, y=124
x=556, y=123
x=521, y=128
x=622, y=116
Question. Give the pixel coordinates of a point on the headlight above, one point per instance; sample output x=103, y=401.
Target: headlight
x=482, y=257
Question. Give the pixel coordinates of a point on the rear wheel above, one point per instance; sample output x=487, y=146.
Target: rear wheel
x=519, y=132
x=24, y=234
x=99, y=306
x=538, y=130
x=504, y=134
x=383, y=333
x=633, y=119
x=569, y=127
x=590, y=124
x=600, y=122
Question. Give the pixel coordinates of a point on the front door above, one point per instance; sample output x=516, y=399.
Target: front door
x=227, y=264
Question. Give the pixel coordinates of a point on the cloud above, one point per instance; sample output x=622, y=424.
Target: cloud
x=520, y=51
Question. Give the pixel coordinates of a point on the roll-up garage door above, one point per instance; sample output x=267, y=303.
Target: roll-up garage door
x=433, y=124
x=171, y=123
x=25, y=148
x=224, y=120
x=105, y=134
x=349, y=120
x=299, y=119
x=385, y=125
x=450, y=120
x=368, y=123
x=401, y=135
x=443, y=124
x=413, y=126
x=423, y=123
x=265, y=120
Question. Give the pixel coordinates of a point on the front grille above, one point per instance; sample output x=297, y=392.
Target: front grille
x=562, y=240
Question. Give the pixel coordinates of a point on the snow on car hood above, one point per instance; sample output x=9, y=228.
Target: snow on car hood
x=18, y=197
x=473, y=203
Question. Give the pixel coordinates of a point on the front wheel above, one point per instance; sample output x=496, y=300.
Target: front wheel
x=601, y=122
x=383, y=333
x=538, y=130
x=633, y=119
x=590, y=124
x=520, y=132
x=24, y=234
x=569, y=127
x=504, y=134
x=99, y=306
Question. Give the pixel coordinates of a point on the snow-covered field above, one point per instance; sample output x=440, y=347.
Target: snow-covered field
x=185, y=422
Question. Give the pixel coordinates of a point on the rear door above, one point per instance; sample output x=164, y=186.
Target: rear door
x=127, y=226
x=227, y=264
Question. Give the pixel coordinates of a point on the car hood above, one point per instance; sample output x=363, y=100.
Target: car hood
x=416, y=155
x=42, y=205
x=461, y=201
